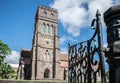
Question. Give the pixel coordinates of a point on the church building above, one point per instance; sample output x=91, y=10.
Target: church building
x=44, y=60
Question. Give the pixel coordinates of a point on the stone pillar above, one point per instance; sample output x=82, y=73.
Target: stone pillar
x=112, y=20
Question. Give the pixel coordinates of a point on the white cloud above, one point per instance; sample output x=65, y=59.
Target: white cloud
x=105, y=45
x=101, y=5
x=64, y=51
x=13, y=58
x=77, y=14
x=14, y=65
x=63, y=39
x=71, y=15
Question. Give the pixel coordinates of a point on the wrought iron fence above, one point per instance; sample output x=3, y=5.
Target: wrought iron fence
x=83, y=66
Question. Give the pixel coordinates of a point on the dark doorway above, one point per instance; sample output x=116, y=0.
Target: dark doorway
x=47, y=73
x=65, y=72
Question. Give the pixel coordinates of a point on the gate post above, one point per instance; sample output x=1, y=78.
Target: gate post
x=112, y=21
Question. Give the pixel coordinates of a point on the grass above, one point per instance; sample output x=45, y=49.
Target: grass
x=33, y=81
x=36, y=81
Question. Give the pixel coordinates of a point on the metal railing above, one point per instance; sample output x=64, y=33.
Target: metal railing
x=83, y=66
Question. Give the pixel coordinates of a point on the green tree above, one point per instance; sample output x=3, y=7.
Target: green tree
x=4, y=49
x=5, y=69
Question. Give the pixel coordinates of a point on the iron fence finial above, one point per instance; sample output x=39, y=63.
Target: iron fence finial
x=98, y=12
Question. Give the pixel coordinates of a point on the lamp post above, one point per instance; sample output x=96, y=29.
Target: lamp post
x=112, y=21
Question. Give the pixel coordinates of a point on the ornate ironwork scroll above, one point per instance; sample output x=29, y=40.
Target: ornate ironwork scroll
x=86, y=59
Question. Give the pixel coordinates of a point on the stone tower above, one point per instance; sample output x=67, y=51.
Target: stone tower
x=45, y=49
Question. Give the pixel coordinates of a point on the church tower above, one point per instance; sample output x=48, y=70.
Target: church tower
x=45, y=49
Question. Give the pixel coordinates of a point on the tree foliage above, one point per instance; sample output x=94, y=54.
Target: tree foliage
x=5, y=69
x=4, y=48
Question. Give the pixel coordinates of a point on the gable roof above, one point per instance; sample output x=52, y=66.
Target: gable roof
x=64, y=57
x=25, y=53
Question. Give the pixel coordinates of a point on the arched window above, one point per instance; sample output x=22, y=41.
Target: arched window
x=47, y=73
x=52, y=30
x=47, y=29
x=45, y=56
x=48, y=57
x=43, y=28
x=51, y=15
x=45, y=14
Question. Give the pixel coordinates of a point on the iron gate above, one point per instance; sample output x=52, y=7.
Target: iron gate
x=82, y=66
